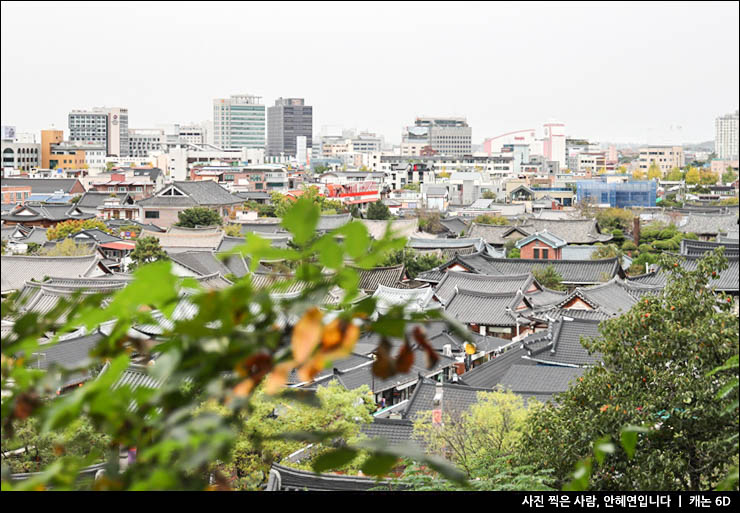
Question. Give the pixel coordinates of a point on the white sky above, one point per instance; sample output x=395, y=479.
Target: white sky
x=622, y=72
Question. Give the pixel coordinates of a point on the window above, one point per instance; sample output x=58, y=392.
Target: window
x=151, y=214
x=536, y=253
x=544, y=254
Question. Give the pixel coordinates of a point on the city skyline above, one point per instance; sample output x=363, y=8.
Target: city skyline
x=384, y=73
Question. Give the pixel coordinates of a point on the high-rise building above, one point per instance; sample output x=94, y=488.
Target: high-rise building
x=447, y=136
x=239, y=122
x=554, y=143
x=726, y=136
x=287, y=120
x=144, y=141
x=665, y=157
x=101, y=125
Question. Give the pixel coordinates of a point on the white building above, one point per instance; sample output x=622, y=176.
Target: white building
x=726, y=137
x=145, y=141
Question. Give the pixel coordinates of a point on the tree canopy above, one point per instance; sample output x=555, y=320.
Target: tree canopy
x=198, y=216
x=378, y=211
x=67, y=228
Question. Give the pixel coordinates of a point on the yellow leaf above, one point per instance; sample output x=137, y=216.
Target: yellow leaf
x=278, y=377
x=470, y=348
x=306, y=334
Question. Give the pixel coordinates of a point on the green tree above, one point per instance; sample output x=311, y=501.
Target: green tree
x=233, y=230
x=67, y=247
x=489, y=195
x=430, y=221
x=412, y=187
x=657, y=360
x=607, y=251
x=638, y=174
x=654, y=172
x=622, y=170
x=198, y=216
x=67, y=228
x=511, y=250
x=707, y=177
x=413, y=262
x=33, y=248
x=489, y=219
x=147, y=250
x=674, y=175
x=729, y=175
x=548, y=277
x=615, y=218
x=692, y=176
x=378, y=210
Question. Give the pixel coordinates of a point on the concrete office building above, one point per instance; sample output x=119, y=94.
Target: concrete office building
x=144, y=141
x=239, y=122
x=287, y=120
x=726, y=137
x=101, y=125
x=554, y=143
x=448, y=136
x=20, y=155
x=666, y=157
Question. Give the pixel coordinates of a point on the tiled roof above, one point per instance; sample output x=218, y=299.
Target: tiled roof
x=136, y=376
x=573, y=231
x=574, y=272
x=489, y=374
x=205, y=262
x=424, y=243
x=67, y=354
x=174, y=241
x=95, y=234
x=545, y=297
x=289, y=479
x=333, y=221
x=42, y=185
x=344, y=364
x=555, y=313
x=363, y=375
x=455, y=225
x=46, y=212
x=456, y=398
x=42, y=297
x=18, y=269
x=480, y=283
x=197, y=192
x=697, y=248
x=387, y=276
x=393, y=431
x=727, y=281
x=499, y=234
x=94, y=199
x=539, y=380
x=487, y=308
x=548, y=238
x=561, y=344
x=400, y=227
x=276, y=241
x=266, y=227
x=613, y=297
x=708, y=224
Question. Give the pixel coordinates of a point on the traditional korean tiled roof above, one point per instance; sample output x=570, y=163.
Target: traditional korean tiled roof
x=489, y=374
x=614, y=297
x=548, y=238
x=573, y=231
x=67, y=354
x=455, y=225
x=18, y=269
x=727, y=281
x=481, y=283
x=486, y=308
x=708, y=224
x=545, y=297
x=343, y=364
x=540, y=381
x=42, y=297
x=183, y=241
x=386, y=276
x=561, y=344
x=276, y=241
x=273, y=226
x=555, y=313
x=136, y=376
x=697, y=248
x=573, y=272
x=94, y=199
x=289, y=479
x=424, y=243
x=42, y=185
x=45, y=213
x=330, y=222
x=399, y=227
x=456, y=398
x=415, y=300
x=499, y=234
x=95, y=234
x=205, y=262
x=197, y=192
x=24, y=234
x=394, y=431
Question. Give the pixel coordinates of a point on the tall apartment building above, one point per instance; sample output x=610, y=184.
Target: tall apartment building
x=287, y=120
x=448, y=136
x=554, y=143
x=239, y=122
x=726, y=137
x=101, y=125
x=666, y=157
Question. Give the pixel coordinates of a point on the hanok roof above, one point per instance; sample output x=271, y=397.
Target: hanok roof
x=573, y=231
x=93, y=199
x=182, y=241
x=67, y=354
x=415, y=300
x=708, y=224
x=289, y=479
x=489, y=374
x=191, y=193
x=540, y=381
x=24, y=234
x=727, y=281
x=697, y=248
x=343, y=364
x=456, y=225
x=266, y=227
x=393, y=431
x=452, y=280
x=561, y=344
x=35, y=212
x=387, y=276
x=94, y=234
x=499, y=234
x=205, y=263
x=43, y=185
x=330, y=222
x=18, y=269
x=456, y=398
x=548, y=238
x=400, y=227
x=486, y=308
x=614, y=297
x=42, y=297
x=136, y=376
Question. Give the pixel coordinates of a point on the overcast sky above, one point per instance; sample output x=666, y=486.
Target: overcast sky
x=622, y=72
